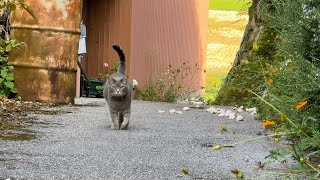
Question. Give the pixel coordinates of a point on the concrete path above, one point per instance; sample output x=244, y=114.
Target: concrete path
x=79, y=144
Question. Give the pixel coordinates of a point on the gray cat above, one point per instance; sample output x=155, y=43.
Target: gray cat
x=117, y=91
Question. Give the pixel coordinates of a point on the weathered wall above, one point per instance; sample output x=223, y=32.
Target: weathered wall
x=166, y=33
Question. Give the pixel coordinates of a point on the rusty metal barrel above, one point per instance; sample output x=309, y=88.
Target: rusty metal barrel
x=45, y=67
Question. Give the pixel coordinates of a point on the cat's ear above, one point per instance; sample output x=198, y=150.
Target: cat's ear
x=124, y=80
x=111, y=81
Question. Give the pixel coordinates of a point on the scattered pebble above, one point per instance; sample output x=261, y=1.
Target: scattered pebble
x=212, y=110
x=253, y=113
x=240, y=109
x=251, y=109
x=221, y=113
x=178, y=112
x=239, y=118
x=232, y=116
x=186, y=109
x=160, y=111
x=172, y=111
x=197, y=104
x=228, y=112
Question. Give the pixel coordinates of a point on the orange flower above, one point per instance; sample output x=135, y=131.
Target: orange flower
x=268, y=123
x=301, y=104
x=270, y=81
x=275, y=70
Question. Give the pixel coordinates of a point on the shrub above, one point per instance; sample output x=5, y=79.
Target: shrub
x=168, y=85
x=292, y=80
x=6, y=45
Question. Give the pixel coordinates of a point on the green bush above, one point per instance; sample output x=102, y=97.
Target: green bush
x=6, y=69
x=6, y=45
x=292, y=88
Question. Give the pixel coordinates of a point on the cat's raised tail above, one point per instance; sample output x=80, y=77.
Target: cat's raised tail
x=122, y=66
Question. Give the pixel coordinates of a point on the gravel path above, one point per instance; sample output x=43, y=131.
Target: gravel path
x=79, y=144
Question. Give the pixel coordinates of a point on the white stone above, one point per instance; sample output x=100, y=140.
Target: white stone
x=197, y=104
x=160, y=111
x=172, y=111
x=221, y=113
x=212, y=110
x=178, y=112
x=186, y=109
x=239, y=110
x=232, y=116
x=251, y=109
x=228, y=112
x=253, y=113
x=239, y=118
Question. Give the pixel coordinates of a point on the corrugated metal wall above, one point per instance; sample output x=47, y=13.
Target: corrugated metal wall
x=108, y=22
x=154, y=34
x=169, y=32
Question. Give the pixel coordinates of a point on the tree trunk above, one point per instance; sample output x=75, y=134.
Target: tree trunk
x=253, y=31
x=251, y=34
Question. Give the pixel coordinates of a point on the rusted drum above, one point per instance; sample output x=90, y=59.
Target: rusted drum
x=45, y=68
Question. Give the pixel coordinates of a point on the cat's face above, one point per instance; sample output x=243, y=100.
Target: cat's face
x=118, y=86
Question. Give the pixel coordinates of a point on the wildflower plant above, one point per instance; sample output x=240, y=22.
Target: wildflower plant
x=106, y=72
x=292, y=95
x=168, y=85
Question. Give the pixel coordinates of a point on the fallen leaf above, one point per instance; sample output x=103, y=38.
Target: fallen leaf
x=185, y=171
x=217, y=147
x=223, y=128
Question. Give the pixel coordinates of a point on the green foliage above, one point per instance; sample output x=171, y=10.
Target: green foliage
x=281, y=77
x=6, y=69
x=292, y=81
x=6, y=45
x=100, y=89
x=12, y=4
x=252, y=73
x=214, y=78
x=107, y=71
x=167, y=86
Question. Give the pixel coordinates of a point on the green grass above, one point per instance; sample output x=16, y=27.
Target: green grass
x=214, y=79
x=229, y=5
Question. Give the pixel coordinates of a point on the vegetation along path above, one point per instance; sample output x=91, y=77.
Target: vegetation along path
x=76, y=142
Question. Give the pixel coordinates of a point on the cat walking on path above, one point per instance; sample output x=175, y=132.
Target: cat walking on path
x=117, y=92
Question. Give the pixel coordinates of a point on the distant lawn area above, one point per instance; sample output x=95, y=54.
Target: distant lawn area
x=229, y=5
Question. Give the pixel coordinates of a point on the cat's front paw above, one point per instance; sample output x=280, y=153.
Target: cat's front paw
x=124, y=126
x=114, y=127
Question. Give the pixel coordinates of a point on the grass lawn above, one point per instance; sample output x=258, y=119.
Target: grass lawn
x=224, y=37
x=214, y=80
x=229, y=5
